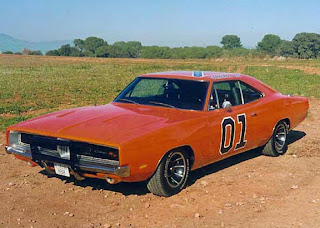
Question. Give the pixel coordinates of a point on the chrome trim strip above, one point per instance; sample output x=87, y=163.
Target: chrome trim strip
x=122, y=171
x=84, y=159
x=12, y=150
x=242, y=99
x=49, y=152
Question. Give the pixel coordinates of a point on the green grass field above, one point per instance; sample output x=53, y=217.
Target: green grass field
x=32, y=85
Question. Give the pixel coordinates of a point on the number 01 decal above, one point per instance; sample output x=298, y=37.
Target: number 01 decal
x=228, y=122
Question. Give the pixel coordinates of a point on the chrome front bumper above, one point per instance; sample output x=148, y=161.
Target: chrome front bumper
x=17, y=151
x=121, y=171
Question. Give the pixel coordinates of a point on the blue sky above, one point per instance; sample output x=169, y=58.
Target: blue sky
x=161, y=22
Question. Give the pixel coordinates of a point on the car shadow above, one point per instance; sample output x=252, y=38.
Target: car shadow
x=223, y=164
x=125, y=188
x=139, y=188
x=293, y=136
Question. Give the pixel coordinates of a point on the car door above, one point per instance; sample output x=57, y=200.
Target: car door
x=259, y=113
x=230, y=121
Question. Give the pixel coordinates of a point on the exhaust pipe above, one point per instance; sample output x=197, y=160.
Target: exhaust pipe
x=110, y=180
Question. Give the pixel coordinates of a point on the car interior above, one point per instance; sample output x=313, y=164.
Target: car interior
x=230, y=91
x=184, y=94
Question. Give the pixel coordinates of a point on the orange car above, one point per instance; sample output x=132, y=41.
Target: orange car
x=160, y=127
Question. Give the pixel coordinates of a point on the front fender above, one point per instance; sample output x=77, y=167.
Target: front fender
x=143, y=154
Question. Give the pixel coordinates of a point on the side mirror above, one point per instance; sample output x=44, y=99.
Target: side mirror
x=226, y=105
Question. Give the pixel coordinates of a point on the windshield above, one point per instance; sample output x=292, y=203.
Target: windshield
x=166, y=92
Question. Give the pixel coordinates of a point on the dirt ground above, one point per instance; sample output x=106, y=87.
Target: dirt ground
x=247, y=190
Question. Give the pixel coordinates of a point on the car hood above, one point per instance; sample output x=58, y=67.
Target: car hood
x=111, y=124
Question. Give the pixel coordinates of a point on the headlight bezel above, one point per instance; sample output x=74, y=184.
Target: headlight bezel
x=14, y=138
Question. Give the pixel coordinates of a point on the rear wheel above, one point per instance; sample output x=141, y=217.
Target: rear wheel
x=277, y=145
x=171, y=174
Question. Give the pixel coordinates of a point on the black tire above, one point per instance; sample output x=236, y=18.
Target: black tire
x=171, y=175
x=277, y=144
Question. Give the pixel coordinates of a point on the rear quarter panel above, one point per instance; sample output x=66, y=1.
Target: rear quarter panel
x=278, y=107
x=296, y=109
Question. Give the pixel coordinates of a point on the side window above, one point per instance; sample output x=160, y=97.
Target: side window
x=228, y=91
x=249, y=93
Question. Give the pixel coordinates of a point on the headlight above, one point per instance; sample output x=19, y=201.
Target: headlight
x=98, y=151
x=14, y=138
x=18, y=144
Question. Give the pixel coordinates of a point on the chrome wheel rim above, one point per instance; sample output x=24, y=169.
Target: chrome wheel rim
x=175, y=170
x=280, y=137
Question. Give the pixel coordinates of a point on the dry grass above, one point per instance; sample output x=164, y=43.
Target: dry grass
x=33, y=85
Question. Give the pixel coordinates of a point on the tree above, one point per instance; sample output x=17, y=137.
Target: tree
x=75, y=52
x=286, y=49
x=155, y=52
x=269, y=44
x=177, y=53
x=103, y=51
x=213, y=52
x=236, y=52
x=26, y=51
x=37, y=52
x=92, y=43
x=78, y=43
x=116, y=51
x=129, y=49
x=195, y=52
x=7, y=52
x=134, y=49
x=306, y=45
x=65, y=50
x=53, y=53
x=231, y=42
x=120, y=50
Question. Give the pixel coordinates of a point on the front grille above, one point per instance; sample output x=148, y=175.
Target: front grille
x=48, y=152
x=69, y=152
x=88, y=160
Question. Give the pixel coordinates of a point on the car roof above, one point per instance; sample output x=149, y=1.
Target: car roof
x=196, y=75
x=212, y=76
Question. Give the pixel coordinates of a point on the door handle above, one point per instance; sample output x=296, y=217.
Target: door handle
x=253, y=114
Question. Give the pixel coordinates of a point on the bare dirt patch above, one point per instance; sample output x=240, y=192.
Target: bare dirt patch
x=306, y=69
x=244, y=191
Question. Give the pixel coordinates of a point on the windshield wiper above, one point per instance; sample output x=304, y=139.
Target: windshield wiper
x=127, y=100
x=162, y=104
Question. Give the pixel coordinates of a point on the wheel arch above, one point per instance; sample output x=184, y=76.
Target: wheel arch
x=287, y=122
x=185, y=148
x=269, y=148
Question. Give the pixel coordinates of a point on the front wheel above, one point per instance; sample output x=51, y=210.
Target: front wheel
x=171, y=175
x=277, y=144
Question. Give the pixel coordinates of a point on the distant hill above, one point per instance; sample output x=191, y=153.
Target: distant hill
x=9, y=43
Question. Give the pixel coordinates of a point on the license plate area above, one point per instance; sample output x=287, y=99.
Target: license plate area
x=62, y=169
